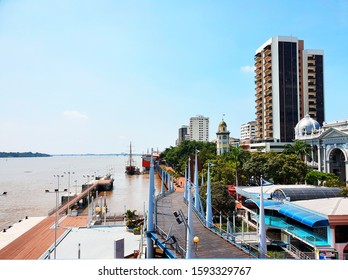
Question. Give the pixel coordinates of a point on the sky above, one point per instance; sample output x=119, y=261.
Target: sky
x=80, y=76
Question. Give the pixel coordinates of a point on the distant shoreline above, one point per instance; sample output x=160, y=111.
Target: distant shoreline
x=24, y=154
x=30, y=154
x=81, y=155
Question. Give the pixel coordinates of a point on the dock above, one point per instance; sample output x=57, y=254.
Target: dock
x=33, y=243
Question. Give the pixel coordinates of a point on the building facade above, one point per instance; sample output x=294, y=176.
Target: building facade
x=329, y=145
x=289, y=83
x=199, y=128
x=248, y=132
x=222, y=139
x=183, y=134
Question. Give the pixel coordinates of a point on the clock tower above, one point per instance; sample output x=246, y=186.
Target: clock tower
x=223, y=138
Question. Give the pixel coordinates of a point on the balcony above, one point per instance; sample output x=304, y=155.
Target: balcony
x=258, y=90
x=268, y=109
x=268, y=71
x=268, y=58
x=267, y=50
x=268, y=91
x=268, y=79
x=268, y=64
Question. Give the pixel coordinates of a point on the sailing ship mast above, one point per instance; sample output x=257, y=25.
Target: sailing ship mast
x=130, y=154
x=130, y=167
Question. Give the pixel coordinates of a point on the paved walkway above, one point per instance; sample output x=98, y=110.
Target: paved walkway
x=210, y=245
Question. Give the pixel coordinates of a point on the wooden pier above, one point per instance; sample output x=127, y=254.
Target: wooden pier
x=36, y=241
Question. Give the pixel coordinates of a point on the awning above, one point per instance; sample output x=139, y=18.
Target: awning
x=301, y=215
x=267, y=204
x=294, y=212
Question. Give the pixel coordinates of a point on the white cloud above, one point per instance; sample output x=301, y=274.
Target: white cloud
x=247, y=69
x=70, y=114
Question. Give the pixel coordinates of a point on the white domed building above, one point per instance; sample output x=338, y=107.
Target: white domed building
x=329, y=143
x=307, y=126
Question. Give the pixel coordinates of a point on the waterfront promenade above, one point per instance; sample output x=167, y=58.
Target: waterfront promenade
x=210, y=245
x=37, y=240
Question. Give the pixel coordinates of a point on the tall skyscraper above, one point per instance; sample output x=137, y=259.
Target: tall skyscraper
x=199, y=128
x=289, y=83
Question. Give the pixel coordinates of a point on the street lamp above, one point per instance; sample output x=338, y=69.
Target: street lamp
x=209, y=210
x=58, y=176
x=262, y=226
x=197, y=201
x=88, y=177
x=56, y=191
x=75, y=181
x=180, y=218
x=196, y=240
x=69, y=187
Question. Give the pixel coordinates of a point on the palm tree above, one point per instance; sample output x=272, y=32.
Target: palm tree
x=236, y=153
x=300, y=148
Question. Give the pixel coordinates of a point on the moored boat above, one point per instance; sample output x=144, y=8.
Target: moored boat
x=146, y=160
x=131, y=169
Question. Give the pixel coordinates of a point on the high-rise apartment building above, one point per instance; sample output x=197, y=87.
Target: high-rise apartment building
x=199, y=128
x=289, y=83
x=248, y=131
x=183, y=134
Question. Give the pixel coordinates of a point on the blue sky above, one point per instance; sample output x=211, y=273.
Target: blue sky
x=93, y=76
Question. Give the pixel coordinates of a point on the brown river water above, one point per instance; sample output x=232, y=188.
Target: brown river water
x=26, y=179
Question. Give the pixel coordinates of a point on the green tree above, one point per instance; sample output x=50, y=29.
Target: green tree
x=319, y=178
x=236, y=154
x=221, y=200
x=344, y=192
x=254, y=167
x=177, y=156
x=285, y=169
x=300, y=148
x=278, y=168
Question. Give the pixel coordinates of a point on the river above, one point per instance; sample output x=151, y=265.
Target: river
x=26, y=179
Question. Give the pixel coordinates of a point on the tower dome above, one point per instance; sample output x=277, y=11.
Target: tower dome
x=306, y=126
x=222, y=126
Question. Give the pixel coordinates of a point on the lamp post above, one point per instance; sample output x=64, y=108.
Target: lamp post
x=197, y=204
x=196, y=240
x=58, y=176
x=189, y=235
x=262, y=226
x=56, y=191
x=180, y=218
x=209, y=210
x=150, y=253
x=88, y=177
x=75, y=181
x=69, y=173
